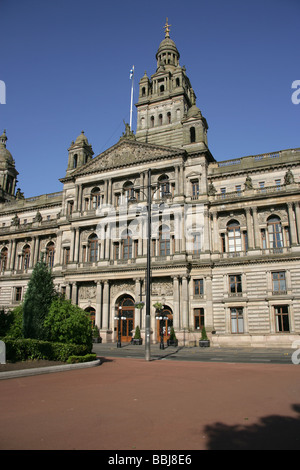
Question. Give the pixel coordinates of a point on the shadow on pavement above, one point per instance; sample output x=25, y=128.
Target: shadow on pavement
x=271, y=433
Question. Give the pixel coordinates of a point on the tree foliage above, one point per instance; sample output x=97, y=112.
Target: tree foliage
x=38, y=298
x=68, y=323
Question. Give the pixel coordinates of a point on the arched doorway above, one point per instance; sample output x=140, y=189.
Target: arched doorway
x=165, y=324
x=125, y=316
x=92, y=313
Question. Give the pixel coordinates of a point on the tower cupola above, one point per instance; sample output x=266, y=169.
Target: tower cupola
x=80, y=153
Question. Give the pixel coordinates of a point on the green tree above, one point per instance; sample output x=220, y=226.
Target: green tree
x=38, y=298
x=67, y=323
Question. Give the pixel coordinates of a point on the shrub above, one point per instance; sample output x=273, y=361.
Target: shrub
x=11, y=322
x=77, y=359
x=137, y=334
x=26, y=348
x=67, y=323
x=38, y=298
x=16, y=326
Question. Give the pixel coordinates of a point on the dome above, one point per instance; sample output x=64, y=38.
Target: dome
x=81, y=139
x=5, y=155
x=167, y=45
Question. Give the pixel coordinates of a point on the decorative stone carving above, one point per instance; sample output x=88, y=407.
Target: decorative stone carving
x=119, y=287
x=162, y=287
x=248, y=183
x=289, y=177
x=87, y=292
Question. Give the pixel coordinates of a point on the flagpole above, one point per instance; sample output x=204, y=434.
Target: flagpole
x=131, y=100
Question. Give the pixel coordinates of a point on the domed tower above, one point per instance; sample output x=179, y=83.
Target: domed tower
x=166, y=109
x=8, y=172
x=80, y=153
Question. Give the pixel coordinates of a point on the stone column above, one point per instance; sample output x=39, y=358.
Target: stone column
x=185, y=297
x=257, y=237
x=105, y=320
x=206, y=232
x=297, y=212
x=137, y=311
x=32, y=250
x=72, y=244
x=249, y=228
x=77, y=243
x=292, y=224
x=176, y=299
x=74, y=293
x=12, y=254
x=208, y=313
x=98, y=304
x=215, y=232
x=36, y=250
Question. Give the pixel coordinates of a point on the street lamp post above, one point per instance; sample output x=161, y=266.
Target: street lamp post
x=147, y=325
x=119, y=344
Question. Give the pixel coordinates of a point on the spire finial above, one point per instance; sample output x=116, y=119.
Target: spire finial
x=167, y=29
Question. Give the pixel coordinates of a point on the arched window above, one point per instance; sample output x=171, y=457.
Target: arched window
x=164, y=185
x=169, y=118
x=75, y=161
x=192, y=134
x=234, y=236
x=25, y=257
x=50, y=251
x=164, y=240
x=3, y=259
x=93, y=248
x=152, y=121
x=177, y=82
x=275, y=232
x=127, y=244
x=128, y=190
x=160, y=120
x=96, y=197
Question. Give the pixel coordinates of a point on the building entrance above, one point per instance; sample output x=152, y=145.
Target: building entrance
x=165, y=324
x=125, y=319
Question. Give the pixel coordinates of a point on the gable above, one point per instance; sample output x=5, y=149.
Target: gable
x=126, y=153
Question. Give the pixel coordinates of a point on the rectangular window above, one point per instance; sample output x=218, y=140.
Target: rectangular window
x=238, y=189
x=263, y=239
x=198, y=318
x=278, y=184
x=262, y=186
x=116, y=251
x=223, y=242
x=195, y=189
x=237, y=320
x=223, y=193
x=279, y=283
x=66, y=255
x=235, y=284
x=18, y=294
x=282, y=319
x=196, y=244
x=198, y=287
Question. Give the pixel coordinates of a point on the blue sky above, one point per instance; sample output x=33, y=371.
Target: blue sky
x=66, y=67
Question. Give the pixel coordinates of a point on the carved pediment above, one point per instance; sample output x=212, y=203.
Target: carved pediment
x=126, y=152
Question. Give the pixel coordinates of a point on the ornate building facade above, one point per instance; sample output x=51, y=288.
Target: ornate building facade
x=225, y=236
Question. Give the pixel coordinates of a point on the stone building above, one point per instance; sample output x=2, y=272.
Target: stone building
x=225, y=236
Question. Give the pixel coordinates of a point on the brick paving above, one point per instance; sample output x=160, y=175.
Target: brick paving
x=129, y=404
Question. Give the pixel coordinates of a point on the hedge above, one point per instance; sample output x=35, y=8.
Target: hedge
x=77, y=359
x=23, y=349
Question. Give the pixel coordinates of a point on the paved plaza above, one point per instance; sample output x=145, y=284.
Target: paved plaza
x=126, y=403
